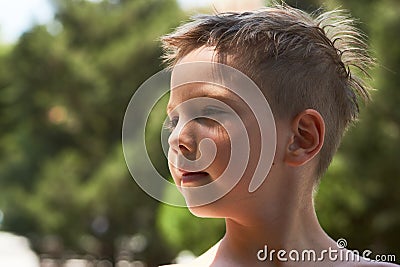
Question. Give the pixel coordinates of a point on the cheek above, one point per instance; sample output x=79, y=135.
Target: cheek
x=171, y=164
x=249, y=156
x=255, y=147
x=171, y=159
x=223, y=144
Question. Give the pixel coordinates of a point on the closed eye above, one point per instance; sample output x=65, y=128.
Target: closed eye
x=206, y=113
x=209, y=115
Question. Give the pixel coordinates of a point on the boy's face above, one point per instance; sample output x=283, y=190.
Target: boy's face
x=189, y=128
x=201, y=112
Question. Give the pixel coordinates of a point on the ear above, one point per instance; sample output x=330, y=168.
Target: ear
x=307, y=137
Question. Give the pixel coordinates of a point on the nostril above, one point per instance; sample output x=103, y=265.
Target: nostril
x=183, y=148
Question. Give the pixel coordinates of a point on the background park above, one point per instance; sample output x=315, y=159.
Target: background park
x=64, y=184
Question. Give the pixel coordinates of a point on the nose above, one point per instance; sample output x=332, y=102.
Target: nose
x=183, y=139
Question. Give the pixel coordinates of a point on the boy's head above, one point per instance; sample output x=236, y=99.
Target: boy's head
x=298, y=61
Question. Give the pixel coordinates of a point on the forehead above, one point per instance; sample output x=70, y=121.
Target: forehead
x=198, y=91
x=189, y=76
x=203, y=53
x=194, y=67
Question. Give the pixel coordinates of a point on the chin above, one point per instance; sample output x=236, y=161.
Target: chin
x=215, y=209
x=224, y=206
x=201, y=212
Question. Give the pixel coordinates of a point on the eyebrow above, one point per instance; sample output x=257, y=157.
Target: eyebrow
x=228, y=100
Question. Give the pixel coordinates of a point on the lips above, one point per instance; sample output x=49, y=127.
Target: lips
x=189, y=177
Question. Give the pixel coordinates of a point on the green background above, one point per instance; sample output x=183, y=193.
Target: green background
x=64, y=88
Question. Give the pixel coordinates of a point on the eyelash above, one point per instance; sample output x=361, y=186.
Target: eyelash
x=171, y=123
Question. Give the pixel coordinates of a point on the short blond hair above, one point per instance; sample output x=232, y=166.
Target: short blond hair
x=298, y=60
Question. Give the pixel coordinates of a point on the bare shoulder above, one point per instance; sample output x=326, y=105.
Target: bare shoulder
x=173, y=265
x=194, y=263
x=205, y=259
x=379, y=264
x=189, y=264
x=367, y=264
x=198, y=262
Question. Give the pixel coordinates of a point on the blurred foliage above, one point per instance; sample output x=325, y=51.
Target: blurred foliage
x=361, y=189
x=64, y=90
x=64, y=183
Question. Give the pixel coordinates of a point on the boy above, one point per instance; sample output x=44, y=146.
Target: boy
x=301, y=65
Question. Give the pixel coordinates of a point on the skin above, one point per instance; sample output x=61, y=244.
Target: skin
x=280, y=214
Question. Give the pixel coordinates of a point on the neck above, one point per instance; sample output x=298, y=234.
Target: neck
x=287, y=224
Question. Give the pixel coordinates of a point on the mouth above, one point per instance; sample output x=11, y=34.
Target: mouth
x=191, y=177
